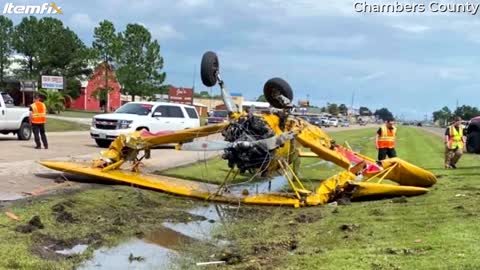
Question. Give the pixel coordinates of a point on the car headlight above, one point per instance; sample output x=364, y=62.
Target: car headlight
x=124, y=124
x=93, y=122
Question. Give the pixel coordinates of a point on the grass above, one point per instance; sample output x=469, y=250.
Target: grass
x=78, y=114
x=102, y=216
x=438, y=230
x=57, y=125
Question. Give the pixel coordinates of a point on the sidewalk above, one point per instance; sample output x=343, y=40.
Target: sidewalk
x=85, y=121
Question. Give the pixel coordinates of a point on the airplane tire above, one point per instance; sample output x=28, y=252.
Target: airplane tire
x=276, y=86
x=209, y=68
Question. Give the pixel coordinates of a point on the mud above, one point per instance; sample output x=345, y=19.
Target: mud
x=349, y=227
x=303, y=218
x=47, y=247
x=402, y=199
x=34, y=224
x=62, y=215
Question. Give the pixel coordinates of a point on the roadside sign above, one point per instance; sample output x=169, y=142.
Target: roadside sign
x=28, y=86
x=52, y=82
x=180, y=95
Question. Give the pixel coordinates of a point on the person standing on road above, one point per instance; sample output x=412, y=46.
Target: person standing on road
x=385, y=140
x=38, y=118
x=454, y=142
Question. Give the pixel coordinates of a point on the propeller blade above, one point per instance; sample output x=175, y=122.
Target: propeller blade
x=205, y=146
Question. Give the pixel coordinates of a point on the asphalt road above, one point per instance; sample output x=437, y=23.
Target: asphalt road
x=20, y=172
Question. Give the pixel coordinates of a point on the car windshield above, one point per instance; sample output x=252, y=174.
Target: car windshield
x=220, y=114
x=314, y=118
x=135, y=108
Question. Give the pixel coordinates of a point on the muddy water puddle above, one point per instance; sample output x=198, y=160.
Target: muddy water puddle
x=158, y=249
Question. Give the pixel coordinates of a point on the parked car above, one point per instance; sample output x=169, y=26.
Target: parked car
x=315, y=120
x=14, y=119
x=344, y=123
x=325, y=122
x=472, y=133
x=152, y=116
x=333, y=122
x=217, y=117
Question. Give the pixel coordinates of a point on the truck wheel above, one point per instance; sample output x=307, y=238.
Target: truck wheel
x=473, y=142
x=103, y=143
x=209, y=69
x=275, y=87
x=25, y=132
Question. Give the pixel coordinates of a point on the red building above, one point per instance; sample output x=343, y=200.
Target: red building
x=86, y=101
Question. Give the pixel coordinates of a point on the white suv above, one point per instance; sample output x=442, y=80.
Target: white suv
x=153, y=116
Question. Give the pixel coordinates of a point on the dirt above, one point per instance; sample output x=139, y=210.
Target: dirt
x=303, y=218
x=62, y=215
x=132, y=258
x=45, y=246
x=34, y=224
x=377, y=212
x=402, y=199
x=349, y=227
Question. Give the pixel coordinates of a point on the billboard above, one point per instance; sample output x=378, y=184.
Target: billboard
x=180, y=95
x=28, y=86
x=52, y=82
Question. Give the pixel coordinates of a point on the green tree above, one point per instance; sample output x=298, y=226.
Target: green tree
x=466, y=112
x=261, y=98
x=50, y=48
x=442, y=115
x=139, y=62
x=27, y=41
x=343, y=109
x=383, y=114
x=153, y=65
x=364, y=111
x=332, y=108
x=6, y=32
x=106, y=47
x=54, y=100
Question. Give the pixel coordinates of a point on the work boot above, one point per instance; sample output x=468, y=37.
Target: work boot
x=38, y=147
x=453, y=166
x=447, y=166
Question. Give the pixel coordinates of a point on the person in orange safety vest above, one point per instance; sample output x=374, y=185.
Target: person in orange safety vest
x=385, y=140
x=38, y=118
x=454, y=143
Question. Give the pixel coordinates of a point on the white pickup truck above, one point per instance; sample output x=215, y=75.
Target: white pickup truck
x=14, y=119
x=153, y=116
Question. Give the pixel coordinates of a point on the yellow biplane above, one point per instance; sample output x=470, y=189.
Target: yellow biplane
x=263, y=144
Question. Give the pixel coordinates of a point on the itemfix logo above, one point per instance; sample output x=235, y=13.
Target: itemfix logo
x=45, y=8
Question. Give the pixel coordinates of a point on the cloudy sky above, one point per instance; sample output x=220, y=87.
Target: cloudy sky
x=411, y=63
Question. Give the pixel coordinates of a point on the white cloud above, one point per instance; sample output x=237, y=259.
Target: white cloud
x=411, y=28
x=193, y=3
x=373, y=76
x=82, y=21
x=212, y=22
x=306, y=42
x=165, y=31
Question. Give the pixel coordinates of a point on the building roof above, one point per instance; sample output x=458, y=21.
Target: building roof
x=199, y=104
x=256, y=104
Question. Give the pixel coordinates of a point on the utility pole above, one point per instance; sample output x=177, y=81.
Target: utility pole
x=353, y=98
x=193, y=84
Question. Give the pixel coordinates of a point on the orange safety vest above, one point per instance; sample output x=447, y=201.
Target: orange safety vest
x=39, y=113
x=387, y=137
